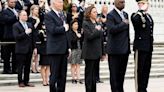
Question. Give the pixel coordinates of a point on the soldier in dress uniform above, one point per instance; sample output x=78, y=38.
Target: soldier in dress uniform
x=143, y=45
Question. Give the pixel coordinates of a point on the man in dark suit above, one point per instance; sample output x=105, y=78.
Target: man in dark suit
x=23, y=32
x=1, y=21
x=57, y=46
x=11, y=16
x=143, y=45
x=118, y=45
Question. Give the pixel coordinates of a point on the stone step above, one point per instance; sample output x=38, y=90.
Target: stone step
x=157, y=69
x=103, y=72
x=104, y=65
x=39, y=80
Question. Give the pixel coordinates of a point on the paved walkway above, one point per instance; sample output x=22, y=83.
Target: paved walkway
x=155, y=85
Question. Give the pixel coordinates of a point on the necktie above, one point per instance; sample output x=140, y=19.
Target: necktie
x=25, y=26
x=15, y=12
x=122, y=15
x=61, y=16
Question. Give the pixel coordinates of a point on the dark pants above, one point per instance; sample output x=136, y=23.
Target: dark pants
x=58, y=71
x=117, y=67
x=7, y=52
x=97, y=70
x=90, y=75
x=24, y=63
x=143, y=70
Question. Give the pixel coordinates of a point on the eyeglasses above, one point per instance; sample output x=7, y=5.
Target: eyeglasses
x=73, y=6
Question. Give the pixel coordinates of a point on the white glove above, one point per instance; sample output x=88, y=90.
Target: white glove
x=28, y=31
x=66, y=26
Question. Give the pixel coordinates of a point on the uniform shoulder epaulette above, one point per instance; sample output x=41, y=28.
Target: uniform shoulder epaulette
x=142, y=18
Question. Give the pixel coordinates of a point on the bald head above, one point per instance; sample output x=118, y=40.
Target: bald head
x=57, y=4
x=11, y=3
x=120, y=4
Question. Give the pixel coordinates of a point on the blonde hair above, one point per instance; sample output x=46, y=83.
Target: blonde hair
x=32, y=8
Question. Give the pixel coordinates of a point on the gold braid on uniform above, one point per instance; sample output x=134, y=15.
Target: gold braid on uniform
x=142, y=18
x=43, y=32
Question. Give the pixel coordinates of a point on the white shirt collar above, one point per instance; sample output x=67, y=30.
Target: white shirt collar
x=23, y=23
x=57, y=12
x=118, y=11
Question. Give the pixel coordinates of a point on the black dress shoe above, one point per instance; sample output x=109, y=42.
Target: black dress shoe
x=98, y=81
x=80, y=81
x=6, y=72
x=29, y=85
x=14, y=72
x=21, y=85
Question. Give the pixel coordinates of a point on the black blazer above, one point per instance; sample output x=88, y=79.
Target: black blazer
x=57, y=37
x=118, y=34
x=43, y=39
x=18, y=6
x=24, y=43
x=143, y=39
x=10, y=19
x=92, y=46
x=74, y=40
x=1, y=25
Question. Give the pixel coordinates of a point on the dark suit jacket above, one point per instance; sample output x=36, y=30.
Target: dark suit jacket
x=57, y=37
x=1, y=25
x=10, y=19
x=74, y=40
x=118, y=34
x=92, y=46
x=143, y=39
x=24, y=43
x=42, y=47
x=18, y=6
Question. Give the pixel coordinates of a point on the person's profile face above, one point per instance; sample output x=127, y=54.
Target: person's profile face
x=11, y=3
x=93, y=13
x=75, y=25
x=143, y=5
x=35, y=10
x=23, y=16
x=120, y=4
x=58, y=4
x=74, y=7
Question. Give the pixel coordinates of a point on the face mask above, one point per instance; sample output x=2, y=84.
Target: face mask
x=144, y=7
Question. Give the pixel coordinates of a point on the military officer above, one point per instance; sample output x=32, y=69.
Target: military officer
x=143, y=45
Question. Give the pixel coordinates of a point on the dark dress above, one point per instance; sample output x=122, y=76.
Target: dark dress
x=76, y=49
x=44, y=60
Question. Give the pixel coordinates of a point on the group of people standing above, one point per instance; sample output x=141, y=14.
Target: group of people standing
x=79, y=34
x=23, y=23
x=117, y=47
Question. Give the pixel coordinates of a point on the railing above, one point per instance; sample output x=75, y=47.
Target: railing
x=4, y=43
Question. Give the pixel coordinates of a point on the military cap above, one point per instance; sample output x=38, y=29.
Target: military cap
x=141, y=1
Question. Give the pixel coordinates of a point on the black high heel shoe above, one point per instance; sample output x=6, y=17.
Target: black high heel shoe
x=33, y=71
x=74, y=82
x=80, y=82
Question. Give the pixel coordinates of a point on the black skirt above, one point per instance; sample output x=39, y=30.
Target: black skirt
x=44, y=60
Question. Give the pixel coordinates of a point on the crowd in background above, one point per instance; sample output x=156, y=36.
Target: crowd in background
x=36, y=9
x=47, y=35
